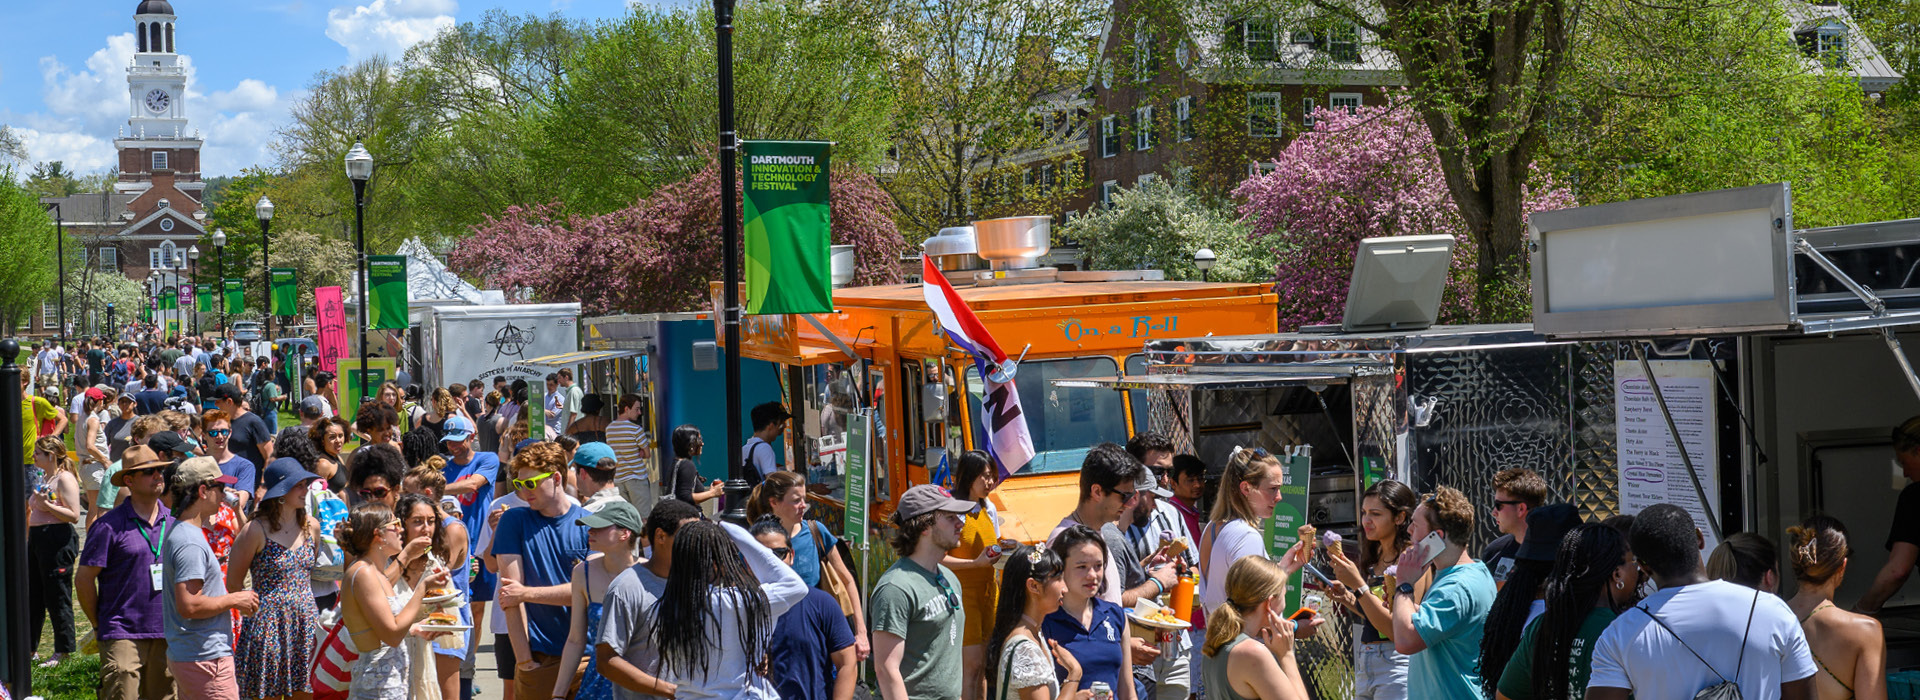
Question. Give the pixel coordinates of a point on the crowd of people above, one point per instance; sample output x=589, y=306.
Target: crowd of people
x=225, y=559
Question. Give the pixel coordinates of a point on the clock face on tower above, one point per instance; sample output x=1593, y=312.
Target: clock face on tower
x=157, y=100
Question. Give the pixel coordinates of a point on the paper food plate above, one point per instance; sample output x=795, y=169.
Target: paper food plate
x=1157, y=624
x=445, y=628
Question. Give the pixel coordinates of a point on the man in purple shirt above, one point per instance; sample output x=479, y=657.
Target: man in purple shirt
x=119, y=576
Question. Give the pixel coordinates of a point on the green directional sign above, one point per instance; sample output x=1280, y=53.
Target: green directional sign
x=859, y=447
x=387, y=291
x=1289, y=513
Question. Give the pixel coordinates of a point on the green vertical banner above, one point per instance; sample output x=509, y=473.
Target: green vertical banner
x=536, y=409
x=1289, y=513
x=787, y=227
x=859, y=428
x=286, y=292
x=204, y=297
x=169, y=300
x=235, y=294
x=387, y=291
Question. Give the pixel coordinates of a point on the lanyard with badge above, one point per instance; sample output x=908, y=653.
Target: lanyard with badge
x=153, y=570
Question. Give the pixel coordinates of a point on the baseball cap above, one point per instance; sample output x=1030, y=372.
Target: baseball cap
x=620, y=514
x=1145, y=483
x=590, y=454
x=313, y=406
x=282, y=475
x=200, y=470
x=457, y=428
x=228, y=391
x=96, y=394
x=168, y=441
x=136, y=458
x=927, y=498
x=1546, y=526
x=524, y=444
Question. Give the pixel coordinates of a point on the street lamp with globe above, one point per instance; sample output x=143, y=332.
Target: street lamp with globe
x=220, y=271
x=1204, y=259
x=193, y=272
x=263, y=210
x=359, y=169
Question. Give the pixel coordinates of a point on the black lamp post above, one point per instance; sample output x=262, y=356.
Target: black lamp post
x=737, y=489
x=359, y=170
x=220, y=272
x=193, y=272
x=60, y=251
x=17, y=668
x=263, y=211
x=111, y=327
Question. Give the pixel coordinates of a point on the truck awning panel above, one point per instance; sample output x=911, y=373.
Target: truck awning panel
x=1268, y=376
x=569, y=359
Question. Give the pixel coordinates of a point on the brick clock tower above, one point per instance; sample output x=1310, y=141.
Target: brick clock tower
x=159, y=154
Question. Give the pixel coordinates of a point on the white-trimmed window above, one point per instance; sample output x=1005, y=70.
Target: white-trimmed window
x=1142, y=52
x=1261, y=168
x=1307, y=105
x=159, y=160
x=109, y=258
x=1107, y=190
x=1261, y=39
x=49, y=315
x=1183, y=119
x=1143, y=128
x=1263, y=115
x=1109, y=137
x=1348, y=100
x=160, y=257
x=1343, y=42
x=1046, y=176
x=1145, y=178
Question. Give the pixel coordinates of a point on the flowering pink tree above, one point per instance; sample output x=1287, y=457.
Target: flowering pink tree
x=659, y=254
x=1362, y=175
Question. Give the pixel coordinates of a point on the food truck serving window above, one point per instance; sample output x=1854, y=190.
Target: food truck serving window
x=1064, y=421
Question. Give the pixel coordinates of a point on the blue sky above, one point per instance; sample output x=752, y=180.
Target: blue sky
x=63, y=71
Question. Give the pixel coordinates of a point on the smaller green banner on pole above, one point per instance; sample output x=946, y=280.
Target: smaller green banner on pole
x=787, y=216
x=387, y=291
x=858, y=448
x=235, y=295
x=537, y=409
x=204, y=300
x=1289, y=513
x=286, y=292
x=169, y=300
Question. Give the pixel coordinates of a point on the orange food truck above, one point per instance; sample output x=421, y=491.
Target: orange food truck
x=882, y=350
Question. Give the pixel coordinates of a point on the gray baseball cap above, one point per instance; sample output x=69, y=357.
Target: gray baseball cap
x=926, y=498
x=1145, y=483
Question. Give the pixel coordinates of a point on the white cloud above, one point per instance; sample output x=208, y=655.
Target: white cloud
x=249, y=95
x=388, y=27
x=96, y=96
x=79, y=151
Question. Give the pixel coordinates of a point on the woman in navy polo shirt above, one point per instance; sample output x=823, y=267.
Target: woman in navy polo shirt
x=1093, y=630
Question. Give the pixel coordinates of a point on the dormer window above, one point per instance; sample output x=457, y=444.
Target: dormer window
x=159, y=160
x=1260, y=38
x=164, y=203
x=1826, y=41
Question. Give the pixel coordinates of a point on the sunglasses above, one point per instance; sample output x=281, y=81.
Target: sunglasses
x=1498, y=504
x=1125, y=496
x=376, y=494
x=780, y=552
x=530, y=484
x=953, y=601
x=393, y=525
x=219, y=433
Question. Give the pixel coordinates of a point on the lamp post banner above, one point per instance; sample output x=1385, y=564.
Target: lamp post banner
x=387, y=291
x=286, y=291
x=788, y=227
x=203, y=297
x=332, y=314
x=235, y=295
x=169, y=300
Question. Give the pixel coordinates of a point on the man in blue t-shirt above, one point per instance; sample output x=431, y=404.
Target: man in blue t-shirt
x=1442, y=631
x=470, y=475
x=812, y=656
x=537, y=547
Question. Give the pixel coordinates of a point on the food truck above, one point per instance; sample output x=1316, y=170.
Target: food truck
x=1776, y=354
x=880, y=354
x=672, y=362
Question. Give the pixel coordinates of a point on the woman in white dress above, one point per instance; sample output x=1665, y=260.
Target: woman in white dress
x=1031, y=588
x=378, y=618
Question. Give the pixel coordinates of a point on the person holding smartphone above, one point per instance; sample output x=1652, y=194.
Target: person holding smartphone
x=1441, y=632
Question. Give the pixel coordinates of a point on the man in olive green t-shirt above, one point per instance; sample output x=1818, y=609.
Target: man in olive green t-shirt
x=916, y=617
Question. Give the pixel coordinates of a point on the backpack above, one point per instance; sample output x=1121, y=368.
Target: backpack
x=329, y=563
x=121, y=370
x=1725, y=689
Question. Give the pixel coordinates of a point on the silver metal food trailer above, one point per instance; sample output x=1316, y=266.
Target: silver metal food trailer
x=1777, y=353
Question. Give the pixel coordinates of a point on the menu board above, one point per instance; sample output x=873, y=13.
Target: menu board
x=1650, y=469
x=859, y=445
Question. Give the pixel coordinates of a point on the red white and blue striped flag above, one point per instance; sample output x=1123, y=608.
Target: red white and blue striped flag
x=1001, y=420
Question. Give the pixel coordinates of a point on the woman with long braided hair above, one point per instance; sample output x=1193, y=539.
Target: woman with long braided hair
x=717, y=613
x=1594, y=578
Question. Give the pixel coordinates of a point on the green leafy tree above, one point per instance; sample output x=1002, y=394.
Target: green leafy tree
x=1159, y=226
x=30, y=263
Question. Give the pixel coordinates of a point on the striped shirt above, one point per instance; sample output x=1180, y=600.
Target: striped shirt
x=628, y=440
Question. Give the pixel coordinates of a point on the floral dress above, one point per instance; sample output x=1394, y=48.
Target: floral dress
x=276, y=643
x=1023, y=665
